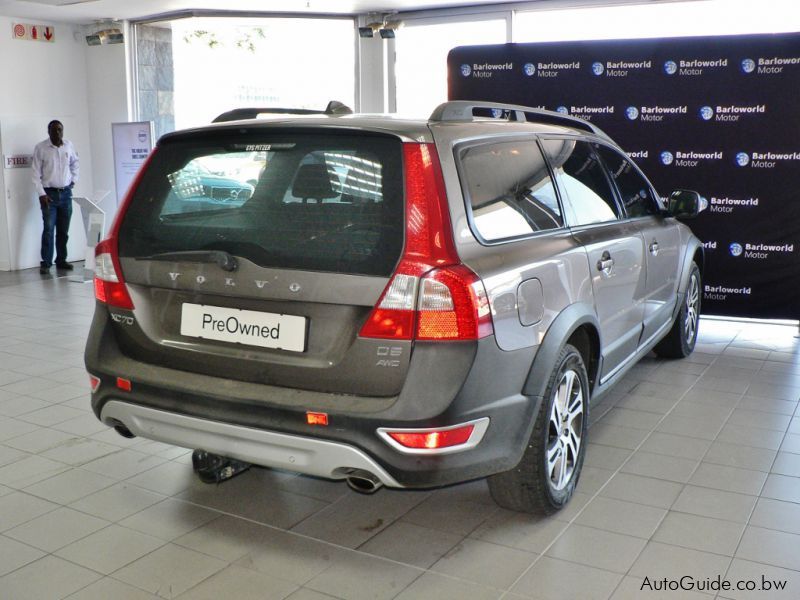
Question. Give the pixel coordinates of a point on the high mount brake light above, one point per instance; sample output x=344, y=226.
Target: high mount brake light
x=431, y=296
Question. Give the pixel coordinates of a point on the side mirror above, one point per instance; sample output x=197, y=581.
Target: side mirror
x=686, y=204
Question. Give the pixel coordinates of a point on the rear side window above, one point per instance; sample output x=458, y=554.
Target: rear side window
x=508, y=190
x=580, y=174
x=289, y=200
x=636, y=193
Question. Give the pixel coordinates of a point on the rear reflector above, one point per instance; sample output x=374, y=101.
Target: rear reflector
x=124, y=384
x=431, y=296
x=440, y=440
x=94, y=382
x=432, y=439
x=316, y=418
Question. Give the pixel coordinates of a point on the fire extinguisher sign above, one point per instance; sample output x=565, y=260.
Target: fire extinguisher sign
x=34, y=33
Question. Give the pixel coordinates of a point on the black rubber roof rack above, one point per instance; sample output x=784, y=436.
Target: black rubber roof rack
x=468, y=110
x=334, y=108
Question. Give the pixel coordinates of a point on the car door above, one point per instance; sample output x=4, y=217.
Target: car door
x=661, y=239
x=613, y=245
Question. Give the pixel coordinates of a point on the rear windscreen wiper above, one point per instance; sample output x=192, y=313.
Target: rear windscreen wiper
x=226, y=261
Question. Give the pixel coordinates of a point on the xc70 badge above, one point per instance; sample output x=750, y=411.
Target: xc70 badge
x=124, y=319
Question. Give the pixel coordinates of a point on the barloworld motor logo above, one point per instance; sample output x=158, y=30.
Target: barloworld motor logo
x=529, y=69
x=667, y=157
x=742, y=159
x=632, y=113
x=748, y=65
x=466, y=70
x=706, y=113
x=735, y=249
x=670, y=67
x=562, y=109
x=598, y=68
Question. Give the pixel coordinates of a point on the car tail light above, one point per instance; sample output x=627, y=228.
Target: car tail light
x=109, y=284
x=109, y=287
x=94, y=382
x=431, y=295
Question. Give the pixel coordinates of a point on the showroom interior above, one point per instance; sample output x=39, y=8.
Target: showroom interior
x=690, y=486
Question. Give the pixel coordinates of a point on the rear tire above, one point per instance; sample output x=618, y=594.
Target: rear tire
x=681, y=339
x=545, y=478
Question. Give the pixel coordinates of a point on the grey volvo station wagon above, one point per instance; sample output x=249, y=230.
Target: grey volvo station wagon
x=409, y=303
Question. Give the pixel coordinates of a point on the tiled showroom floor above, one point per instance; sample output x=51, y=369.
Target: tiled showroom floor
x=693, y=470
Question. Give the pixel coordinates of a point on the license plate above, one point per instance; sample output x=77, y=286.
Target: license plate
x=248, y=327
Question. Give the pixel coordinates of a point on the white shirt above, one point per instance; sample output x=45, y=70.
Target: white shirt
x=54, y=166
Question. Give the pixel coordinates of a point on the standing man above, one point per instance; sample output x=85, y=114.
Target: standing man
x=55, y=172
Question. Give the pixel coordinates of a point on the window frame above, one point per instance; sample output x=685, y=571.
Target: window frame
x=620, y=202
x=570, y=214
x=459, y=147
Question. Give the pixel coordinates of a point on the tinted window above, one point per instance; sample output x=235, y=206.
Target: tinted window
x=637, y=196
x=301, y=201
x=509, y=190
x=582, y=178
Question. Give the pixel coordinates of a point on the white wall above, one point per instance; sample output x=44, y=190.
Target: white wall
x=108, y=99
x=85, y=88
x=41, y=81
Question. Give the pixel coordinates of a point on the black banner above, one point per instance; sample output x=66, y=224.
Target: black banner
x=719, y=115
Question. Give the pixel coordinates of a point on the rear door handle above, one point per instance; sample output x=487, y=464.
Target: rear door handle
x=605, y=264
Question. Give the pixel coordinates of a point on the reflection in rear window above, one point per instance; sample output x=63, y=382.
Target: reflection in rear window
x=296, y=201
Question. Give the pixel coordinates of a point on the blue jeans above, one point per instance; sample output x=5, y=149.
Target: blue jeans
x=55, y=219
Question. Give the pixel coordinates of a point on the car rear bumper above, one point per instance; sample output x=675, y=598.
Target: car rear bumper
x=306, y=455
x=234, y=418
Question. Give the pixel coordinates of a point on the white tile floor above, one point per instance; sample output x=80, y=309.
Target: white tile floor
x=693, y=470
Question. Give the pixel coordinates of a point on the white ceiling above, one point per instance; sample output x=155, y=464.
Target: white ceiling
x=87, y=11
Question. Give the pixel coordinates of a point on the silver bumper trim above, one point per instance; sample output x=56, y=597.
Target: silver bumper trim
x=310, y=456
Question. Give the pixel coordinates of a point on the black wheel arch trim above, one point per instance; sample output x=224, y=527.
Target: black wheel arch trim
x=693, y=246
x=564, y=325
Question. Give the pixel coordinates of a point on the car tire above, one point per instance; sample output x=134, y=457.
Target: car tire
x=545, y=478
x=681, y=339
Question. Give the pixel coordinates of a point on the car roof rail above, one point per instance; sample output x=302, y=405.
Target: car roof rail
x=464, y=110
x=334, y=108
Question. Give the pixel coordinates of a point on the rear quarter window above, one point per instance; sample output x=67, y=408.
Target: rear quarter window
x=310, y=201
x=508, y=190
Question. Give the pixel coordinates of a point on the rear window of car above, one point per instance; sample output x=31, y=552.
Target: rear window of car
x=508, y=189
x=297, y=200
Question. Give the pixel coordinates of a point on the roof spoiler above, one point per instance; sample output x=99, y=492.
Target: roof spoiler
x=334, y=108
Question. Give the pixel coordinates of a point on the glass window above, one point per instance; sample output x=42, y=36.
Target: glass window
x=191, y=70
x=634, y=190
x=509, y=190
x=582, y=177
x=421, y=57
x=295, y=201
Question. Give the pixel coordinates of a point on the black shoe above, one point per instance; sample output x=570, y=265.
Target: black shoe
x=64, y=266
x=43, y=270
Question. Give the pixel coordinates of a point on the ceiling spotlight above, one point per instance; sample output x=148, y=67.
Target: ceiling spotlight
x=365, y=32
x=387, y=34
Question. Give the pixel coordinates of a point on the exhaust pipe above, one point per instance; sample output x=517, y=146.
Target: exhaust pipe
x=121, y=429
x=363, y=482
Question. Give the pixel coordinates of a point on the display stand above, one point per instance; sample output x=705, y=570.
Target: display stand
x=94, y=225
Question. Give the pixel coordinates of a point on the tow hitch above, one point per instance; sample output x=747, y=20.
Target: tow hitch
x=213, y=468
